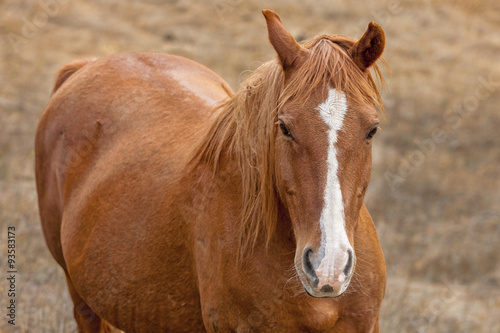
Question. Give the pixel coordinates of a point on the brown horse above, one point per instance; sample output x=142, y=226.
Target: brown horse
x=174, y=205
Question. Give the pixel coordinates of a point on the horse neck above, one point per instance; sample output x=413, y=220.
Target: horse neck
x=240, y=140
x=221, y=194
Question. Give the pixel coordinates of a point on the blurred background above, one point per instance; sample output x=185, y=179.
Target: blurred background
x=435, y=189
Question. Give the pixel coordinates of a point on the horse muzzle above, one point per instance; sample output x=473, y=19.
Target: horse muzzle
x=328, y=275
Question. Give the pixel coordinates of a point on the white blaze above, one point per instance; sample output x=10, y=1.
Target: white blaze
x=334, y=241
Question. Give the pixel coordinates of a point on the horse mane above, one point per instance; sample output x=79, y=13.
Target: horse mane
x=245, y=129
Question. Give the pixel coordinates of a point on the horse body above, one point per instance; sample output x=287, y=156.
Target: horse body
x=84, y=151
x=150, y=242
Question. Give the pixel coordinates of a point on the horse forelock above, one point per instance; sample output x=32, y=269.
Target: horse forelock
x=329, y=65
x=245, y=129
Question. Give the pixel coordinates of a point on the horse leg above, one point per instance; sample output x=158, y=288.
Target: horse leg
x=87, y=320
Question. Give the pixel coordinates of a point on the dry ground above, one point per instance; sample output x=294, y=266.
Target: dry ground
x=435, y=189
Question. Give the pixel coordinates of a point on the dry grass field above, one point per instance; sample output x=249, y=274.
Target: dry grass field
x=435, y=190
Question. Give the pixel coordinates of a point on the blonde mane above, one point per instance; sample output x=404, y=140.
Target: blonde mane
x=245, y=130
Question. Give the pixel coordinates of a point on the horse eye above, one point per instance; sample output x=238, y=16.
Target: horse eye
x=285, y=130
x=371, y=132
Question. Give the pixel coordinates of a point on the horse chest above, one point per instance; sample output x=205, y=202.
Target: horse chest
x=277, y=314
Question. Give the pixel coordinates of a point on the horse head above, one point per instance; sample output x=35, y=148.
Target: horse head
x=326, y=119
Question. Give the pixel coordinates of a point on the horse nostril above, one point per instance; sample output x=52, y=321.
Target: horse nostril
x=326, y=289
x=307, y=263
x=348, y=266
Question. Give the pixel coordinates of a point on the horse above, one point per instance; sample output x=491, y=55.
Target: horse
x=174, y=204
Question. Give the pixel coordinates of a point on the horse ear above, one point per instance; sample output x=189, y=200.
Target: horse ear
x=369, y=47
x=289, y=51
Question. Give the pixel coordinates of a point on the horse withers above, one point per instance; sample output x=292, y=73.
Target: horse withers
x=173, y=204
